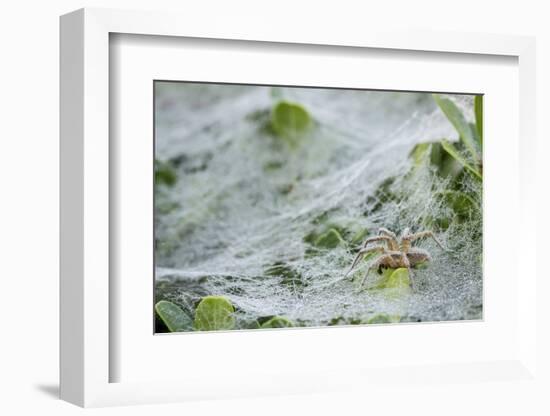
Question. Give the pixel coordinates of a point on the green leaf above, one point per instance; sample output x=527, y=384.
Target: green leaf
x=421, y=154
x=383, y=318
x=394, y=283
x=478, y=105
x=359, y=236
x=290, y=120
x=288, y=275
x=175, y=319
x=450, y=149
x=473, y=128
x=457, y=119
x=248, y=324
x=340, y=320
x=165, y=174
x=214, y=313
x=278, y=322
x=461, y=203
x=398, y=279
x=330, y=239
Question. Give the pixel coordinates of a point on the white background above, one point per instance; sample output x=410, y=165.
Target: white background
x=29, y=209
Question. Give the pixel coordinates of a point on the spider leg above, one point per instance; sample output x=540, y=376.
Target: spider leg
x=375, y=239
x=392, y=242
x=407, y=264
x=388, y=258
x=385, y=257
x=415, y=250
x=422, y=234
x=416, y=255
x=362, y=253
x=385, y=231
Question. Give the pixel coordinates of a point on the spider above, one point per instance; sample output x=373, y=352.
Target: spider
x=397, y=253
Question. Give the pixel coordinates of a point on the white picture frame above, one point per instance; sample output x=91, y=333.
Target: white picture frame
x=86, y=305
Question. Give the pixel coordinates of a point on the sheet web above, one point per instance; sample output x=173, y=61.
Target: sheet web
x=237, y=221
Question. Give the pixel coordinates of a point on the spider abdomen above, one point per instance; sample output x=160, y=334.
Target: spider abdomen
x=417, y=257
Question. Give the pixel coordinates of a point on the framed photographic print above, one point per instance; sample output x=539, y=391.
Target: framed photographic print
x=274, y=206
x=252, y=206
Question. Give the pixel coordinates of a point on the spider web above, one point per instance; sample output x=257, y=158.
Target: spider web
x=245, y=202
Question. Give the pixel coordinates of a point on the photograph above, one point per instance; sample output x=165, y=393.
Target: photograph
x=294, y=207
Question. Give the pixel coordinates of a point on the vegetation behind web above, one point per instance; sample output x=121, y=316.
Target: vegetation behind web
x=263, y=195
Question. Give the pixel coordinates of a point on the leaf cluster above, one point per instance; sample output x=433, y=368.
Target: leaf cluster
x=213, y=313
